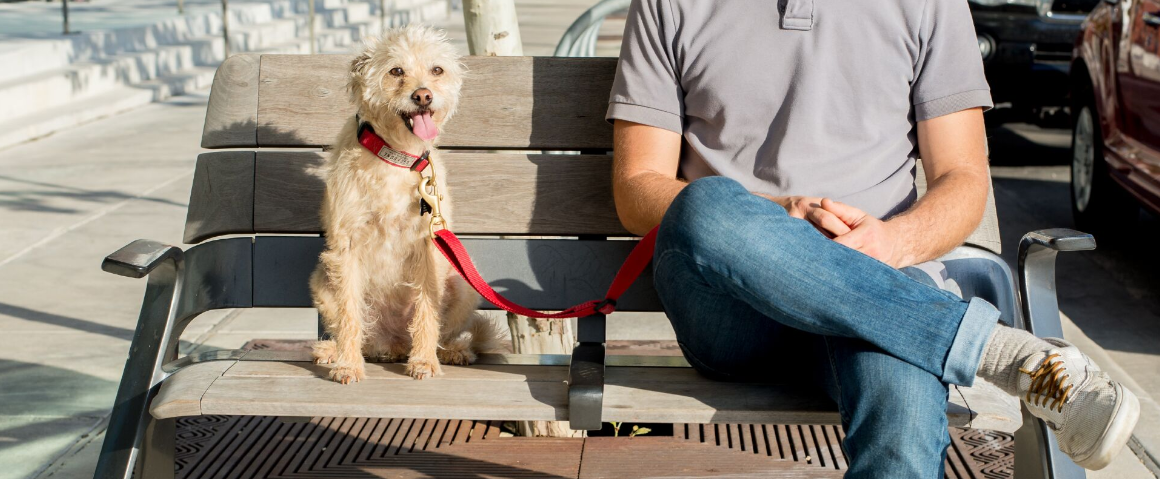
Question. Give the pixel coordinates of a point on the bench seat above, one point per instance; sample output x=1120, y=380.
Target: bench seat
x=520, y=387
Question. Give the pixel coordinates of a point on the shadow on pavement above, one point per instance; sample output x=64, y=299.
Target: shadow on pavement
x=1112, y=293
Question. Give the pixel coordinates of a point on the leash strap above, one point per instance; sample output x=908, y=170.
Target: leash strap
x=638, y=259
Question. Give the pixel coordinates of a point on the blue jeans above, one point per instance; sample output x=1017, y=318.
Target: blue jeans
x=753, y=292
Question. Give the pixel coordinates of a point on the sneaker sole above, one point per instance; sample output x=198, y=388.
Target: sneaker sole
x=1117, y=434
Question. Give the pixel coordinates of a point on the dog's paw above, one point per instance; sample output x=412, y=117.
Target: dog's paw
x=423, y=369
x=324, y=352
x=347, y=374
x=456, y=357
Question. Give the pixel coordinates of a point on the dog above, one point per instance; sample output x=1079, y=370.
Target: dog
x=382, y=289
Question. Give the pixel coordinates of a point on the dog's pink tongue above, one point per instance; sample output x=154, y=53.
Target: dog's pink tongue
x=423, y=126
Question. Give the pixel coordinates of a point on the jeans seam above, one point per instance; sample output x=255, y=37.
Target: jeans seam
x=841, y=400
x=703, y=268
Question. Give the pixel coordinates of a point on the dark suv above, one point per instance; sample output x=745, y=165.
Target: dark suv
x=1026, y=47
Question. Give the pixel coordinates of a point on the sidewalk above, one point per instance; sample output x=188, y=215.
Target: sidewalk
x=68, y=200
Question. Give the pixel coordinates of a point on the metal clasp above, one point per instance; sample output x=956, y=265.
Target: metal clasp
x=428, y=190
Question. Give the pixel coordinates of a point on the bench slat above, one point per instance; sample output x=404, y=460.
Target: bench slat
x=500, y=106
x=222, y=198
x=521, y=392
x=491, y=194
x=232, y=115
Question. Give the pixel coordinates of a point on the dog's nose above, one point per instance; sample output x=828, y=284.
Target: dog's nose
x=421, y=97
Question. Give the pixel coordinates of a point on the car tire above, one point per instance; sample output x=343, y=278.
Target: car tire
x=1098, y=204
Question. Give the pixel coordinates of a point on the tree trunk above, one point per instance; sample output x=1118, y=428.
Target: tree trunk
x=543, y=336
x=492, y=28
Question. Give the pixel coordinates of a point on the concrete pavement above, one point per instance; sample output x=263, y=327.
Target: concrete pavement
x=68, y=200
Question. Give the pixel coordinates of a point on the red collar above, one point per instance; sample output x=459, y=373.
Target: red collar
x=375, y=144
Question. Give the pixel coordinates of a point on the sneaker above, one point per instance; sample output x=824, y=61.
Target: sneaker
x=1091, y=415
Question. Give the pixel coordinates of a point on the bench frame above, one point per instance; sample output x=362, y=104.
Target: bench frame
x=183, y=284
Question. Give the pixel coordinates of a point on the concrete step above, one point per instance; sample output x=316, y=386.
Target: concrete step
x=116, y=77
x=23, y=57
x=51, y=120
x=28, y=94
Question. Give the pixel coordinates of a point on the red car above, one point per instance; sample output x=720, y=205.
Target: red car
x=1115, y=85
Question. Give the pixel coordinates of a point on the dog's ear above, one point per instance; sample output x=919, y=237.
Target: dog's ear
x=358, y=66
x=358, y=75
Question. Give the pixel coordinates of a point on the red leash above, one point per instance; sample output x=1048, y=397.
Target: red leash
x=456, y=254
x=637, y=260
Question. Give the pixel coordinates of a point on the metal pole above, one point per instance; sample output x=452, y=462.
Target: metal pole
x=382, y=17
x=181, y=7
x=312, y=45
x=226, y=27
x=64, y=12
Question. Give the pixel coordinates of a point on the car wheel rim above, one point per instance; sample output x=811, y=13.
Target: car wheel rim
x=1083, y=159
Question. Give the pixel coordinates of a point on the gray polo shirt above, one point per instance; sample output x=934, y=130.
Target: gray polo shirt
x=800, y=97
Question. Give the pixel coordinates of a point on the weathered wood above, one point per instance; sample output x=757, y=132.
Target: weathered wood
x=222, y=198
x=515, y=392
x=506, y=102
x=492, y=28
x=183, y=397
x=288, y=191
x=657, y=457
x=232, y=114
x=499, y=194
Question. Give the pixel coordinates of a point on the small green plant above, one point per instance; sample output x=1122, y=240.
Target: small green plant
x=636, y=430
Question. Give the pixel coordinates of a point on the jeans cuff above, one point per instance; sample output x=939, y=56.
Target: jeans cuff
x=967, y=349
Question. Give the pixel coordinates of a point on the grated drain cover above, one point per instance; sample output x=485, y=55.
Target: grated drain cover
x=268, y=447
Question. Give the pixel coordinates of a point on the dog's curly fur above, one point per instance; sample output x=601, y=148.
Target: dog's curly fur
x=381, y=288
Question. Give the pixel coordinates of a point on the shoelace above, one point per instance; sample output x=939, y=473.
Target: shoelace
x=1047, y=383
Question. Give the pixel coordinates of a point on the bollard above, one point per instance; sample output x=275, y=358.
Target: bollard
x=226, y=28
x=64, y=13
x=312, y=45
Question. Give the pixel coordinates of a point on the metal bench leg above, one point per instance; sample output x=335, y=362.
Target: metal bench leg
x=157, y=449
x=586, y=375
x=1037, y=454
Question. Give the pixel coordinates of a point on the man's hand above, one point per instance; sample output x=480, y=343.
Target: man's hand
x=869, y=235
x=810, y=208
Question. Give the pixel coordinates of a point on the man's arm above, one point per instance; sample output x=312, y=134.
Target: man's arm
x=954, y=152
x=644, y=181
x=644, y=174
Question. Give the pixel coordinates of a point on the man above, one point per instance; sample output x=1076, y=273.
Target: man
x=774, y=142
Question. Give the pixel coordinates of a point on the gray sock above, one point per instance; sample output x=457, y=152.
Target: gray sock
x=1005, y=352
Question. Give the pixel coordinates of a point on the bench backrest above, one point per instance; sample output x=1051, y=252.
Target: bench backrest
x=281, y=109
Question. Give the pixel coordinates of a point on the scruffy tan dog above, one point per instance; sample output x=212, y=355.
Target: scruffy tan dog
x=382, y=289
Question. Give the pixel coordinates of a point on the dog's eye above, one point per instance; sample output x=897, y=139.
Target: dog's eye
x=437, y=70
x=397, y=71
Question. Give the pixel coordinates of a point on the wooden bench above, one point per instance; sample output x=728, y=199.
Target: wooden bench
x=272, y=114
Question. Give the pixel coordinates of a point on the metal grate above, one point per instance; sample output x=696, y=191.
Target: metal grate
x=267, y=447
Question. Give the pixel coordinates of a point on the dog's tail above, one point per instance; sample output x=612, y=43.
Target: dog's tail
x=485, y=337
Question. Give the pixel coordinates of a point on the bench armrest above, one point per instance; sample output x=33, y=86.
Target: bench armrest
x=139, y=258
x=1037, y=251
x=1037, y=453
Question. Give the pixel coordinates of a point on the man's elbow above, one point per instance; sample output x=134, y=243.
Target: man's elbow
x=631, y=218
